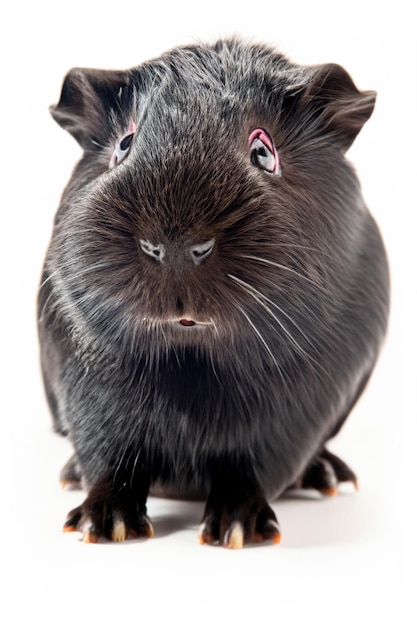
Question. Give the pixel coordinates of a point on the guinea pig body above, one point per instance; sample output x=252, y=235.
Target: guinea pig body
x=215, y=293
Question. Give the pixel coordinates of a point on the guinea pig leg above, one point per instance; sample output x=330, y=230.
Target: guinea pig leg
x=236, y=515
x=71, y=475
x=325, y=472
x=113, y=511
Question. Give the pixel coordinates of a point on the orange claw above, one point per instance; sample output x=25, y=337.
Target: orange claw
x=69, y=485
x=276, y=538
x=69, y=529
x=149, y=532
x=331, y=491
x=204, y=538
x=90, y=538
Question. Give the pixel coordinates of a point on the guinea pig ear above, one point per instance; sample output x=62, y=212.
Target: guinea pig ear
x=87, y=100
x=341, y=108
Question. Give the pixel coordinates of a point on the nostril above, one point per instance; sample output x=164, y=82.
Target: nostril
x=157, y=252
x=201, y=251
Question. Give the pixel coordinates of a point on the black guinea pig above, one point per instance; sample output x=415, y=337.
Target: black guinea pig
x=215, y=292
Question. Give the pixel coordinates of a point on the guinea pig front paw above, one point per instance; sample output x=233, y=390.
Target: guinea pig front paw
x=233, y=524
x=110, y=515
x=325, y=472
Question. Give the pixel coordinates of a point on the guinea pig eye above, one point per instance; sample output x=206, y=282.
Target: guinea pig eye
x=122, y=146
x=263, y=152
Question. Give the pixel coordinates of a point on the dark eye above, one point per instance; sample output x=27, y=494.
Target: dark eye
x=122, y=146
x=263, y=153
x=126, y=143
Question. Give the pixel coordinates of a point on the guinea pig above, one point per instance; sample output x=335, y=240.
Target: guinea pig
x=215, y=293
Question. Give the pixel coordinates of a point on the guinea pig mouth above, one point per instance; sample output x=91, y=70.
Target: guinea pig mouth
x=188, y=323
x=184, y=322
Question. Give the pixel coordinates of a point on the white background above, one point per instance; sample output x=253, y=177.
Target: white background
x=349, y=559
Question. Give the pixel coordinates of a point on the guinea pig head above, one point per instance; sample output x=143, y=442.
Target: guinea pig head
x=212, y=192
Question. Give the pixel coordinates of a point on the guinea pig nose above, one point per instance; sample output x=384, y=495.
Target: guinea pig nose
x=201, y=251
x=157, y=251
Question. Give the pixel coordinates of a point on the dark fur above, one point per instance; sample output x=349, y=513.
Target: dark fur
x=240, y=410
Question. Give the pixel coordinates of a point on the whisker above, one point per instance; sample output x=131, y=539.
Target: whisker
x=282, y=267
x=96, y=143
x=259, y=335
x=252, y=291
x=298, y=246
x=160, y=328
x=258, y=298
x=281, y=310
x=214, y=367
x=173, y=347
x=216, y=330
